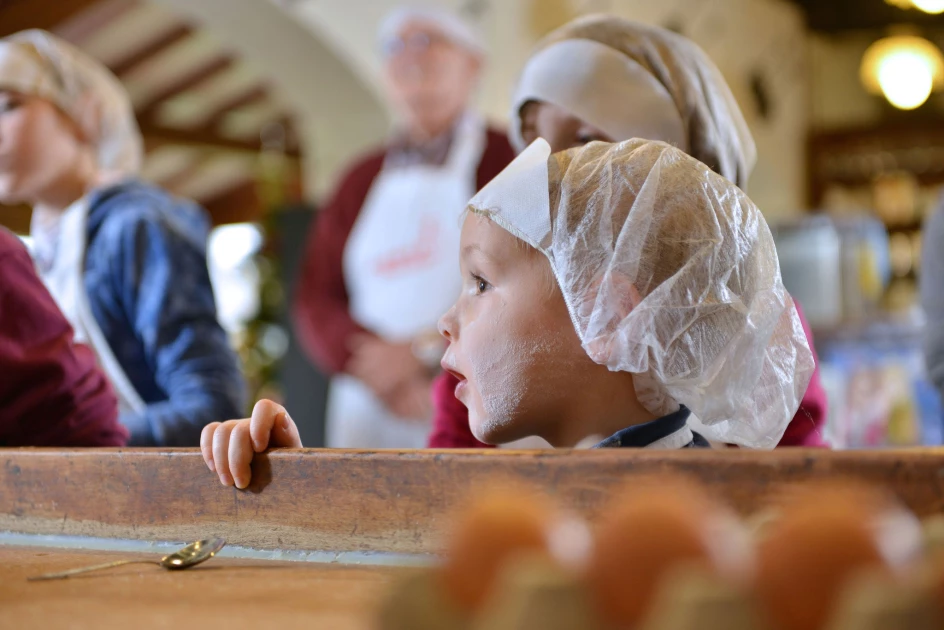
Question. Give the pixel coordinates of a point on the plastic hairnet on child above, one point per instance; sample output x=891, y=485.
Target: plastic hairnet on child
x=669, y=272
x=38, y=63
x=631, y=80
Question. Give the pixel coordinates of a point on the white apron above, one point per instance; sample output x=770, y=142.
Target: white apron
x=65, y=281
x=401, y=269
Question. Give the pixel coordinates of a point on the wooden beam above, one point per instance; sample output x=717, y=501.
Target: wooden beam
x=94, y=19
x=177, y=178
x=16, y=218
x=157, y=135
x=391, y=501
x=44, y=14
x=292, y=142
x=150, y=49
x=239, y=204
x=190, y=80
x=247, y=97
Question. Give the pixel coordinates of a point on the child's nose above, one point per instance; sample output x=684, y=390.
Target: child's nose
x=447, y=324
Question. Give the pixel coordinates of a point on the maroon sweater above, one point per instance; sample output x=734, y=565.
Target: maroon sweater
x=51, y=391
x=322, y=318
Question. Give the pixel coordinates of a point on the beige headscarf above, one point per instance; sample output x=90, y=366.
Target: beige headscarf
x=633, y=80
x=38, y=63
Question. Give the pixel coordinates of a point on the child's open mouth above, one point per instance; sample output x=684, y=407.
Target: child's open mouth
x=463, y=381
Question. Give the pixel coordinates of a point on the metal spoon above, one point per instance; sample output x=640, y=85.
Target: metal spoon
x=184, y=558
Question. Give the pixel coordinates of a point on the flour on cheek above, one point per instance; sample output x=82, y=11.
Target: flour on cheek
x=519, y=373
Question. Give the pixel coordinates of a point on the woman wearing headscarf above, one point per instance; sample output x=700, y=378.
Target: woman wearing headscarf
x=606, y=78
x=125, y=261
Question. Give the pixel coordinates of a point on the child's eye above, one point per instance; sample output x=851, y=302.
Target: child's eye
x=8, y=104
x=481, y=284
x=587, y=138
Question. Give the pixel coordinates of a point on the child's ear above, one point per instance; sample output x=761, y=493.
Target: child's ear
x=618, y=296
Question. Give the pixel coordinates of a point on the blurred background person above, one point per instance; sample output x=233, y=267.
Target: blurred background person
x=382, y=260
x=125, y=261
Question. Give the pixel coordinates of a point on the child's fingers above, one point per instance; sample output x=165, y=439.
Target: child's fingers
x=240, y=454
x=264, y=414
x=206, y=444
x=285, y=432
x=221, y=451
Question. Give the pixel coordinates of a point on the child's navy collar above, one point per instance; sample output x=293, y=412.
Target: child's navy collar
x=667, y=432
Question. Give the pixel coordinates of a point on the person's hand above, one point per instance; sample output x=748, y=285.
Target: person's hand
x=228, y=447
x=383, y=366
x=412, y=400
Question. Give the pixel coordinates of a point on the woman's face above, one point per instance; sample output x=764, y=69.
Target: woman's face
x=559, y=127
x=39, y=146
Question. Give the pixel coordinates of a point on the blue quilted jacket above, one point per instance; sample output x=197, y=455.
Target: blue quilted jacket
x=149, y=290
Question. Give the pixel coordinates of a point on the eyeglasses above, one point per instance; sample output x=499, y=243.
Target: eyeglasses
x=417, y=43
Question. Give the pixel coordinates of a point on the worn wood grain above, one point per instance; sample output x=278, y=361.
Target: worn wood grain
x=224, y=593
x=387, y=501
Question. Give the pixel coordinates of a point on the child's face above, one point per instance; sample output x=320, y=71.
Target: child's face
x=38, y=147
x=512, y=344
x=562, y=129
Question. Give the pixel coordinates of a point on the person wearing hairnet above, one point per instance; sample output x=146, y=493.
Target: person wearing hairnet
x=125, y=261
x=605, y=78
x=364, y=308
x=609, y=292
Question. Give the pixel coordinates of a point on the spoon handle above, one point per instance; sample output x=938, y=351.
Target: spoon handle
x=94, y=567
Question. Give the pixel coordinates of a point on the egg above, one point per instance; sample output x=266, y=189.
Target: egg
x=824, y=537
x=651, y=527
x=493, y=529
x=897, y=531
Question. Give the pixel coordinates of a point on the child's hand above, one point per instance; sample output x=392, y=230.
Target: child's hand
x=228, y=447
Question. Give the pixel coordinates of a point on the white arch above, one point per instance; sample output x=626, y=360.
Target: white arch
x=338, y=116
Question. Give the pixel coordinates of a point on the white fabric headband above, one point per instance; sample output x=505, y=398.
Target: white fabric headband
x=602, y=87
x=517, y=199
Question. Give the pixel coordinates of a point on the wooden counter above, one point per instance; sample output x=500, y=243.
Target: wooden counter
x=386, y=501
x=223, y=593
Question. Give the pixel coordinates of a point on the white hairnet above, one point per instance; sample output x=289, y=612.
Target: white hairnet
x=450, y=24
x=658, y=85
x=669, y=272
x=40, y=64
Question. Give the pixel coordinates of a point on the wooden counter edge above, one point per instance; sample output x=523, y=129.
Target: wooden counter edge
x=389, y=501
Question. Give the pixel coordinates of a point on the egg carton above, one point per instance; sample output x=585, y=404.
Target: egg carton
x=533, y=592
